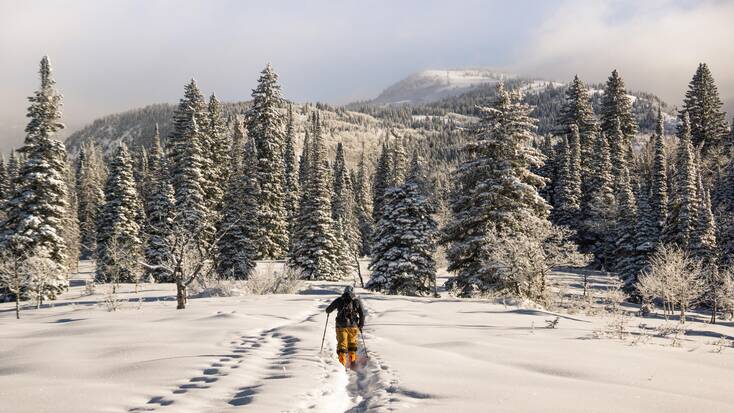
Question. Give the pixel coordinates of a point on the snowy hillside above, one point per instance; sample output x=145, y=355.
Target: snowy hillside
x=432, y=85
x=261, y=354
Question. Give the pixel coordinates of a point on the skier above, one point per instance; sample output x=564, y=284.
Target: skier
x=349, y=323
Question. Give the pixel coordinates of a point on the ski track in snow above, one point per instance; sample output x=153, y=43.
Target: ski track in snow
x=253, y=362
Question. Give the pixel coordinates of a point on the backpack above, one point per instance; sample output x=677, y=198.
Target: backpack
x=350, y=312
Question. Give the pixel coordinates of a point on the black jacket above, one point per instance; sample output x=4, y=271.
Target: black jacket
x=342, y=305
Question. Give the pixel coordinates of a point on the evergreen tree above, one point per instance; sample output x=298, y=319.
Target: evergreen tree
x=703, y=239
x=364, y=219
x=402, y=260
x=90, y=180
x=304, y=161
x=382, y=181
x=192, y=213
x=13, y=169
x=494, y=190
x=577, y=110
x=315, y=251
x=191, y=107
x=266, y=126
x=292, y=187
x=548, y=170
x=683, y=203
x=118, y=228
x=237, y=147
x=568, y=190
x=160, y=213
x=237, y=246
x=599, y=218
x=399, y=164
x=38, y=208
x=4, y=185
x=617, y=106
x=626, y=237
x=659, y=190
x=619, y=152
x=218, y=152
x=343, y=213
x=704, y=109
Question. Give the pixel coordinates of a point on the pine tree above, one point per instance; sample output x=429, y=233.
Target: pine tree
x=90, y=180
x=577, y=110
x=218, y=151
x=315, y=246
x=160, y=213
x=659, y=190
x=703, y=239
x=494, y=190
x=38, y=208
x=70, y=230
x=13, y=170
x=626, y=237
x=237, y=246
x=683, y=203
x=704, y=108
x=343, y=213
x=292, y=187
x=617, y=106
x=363, y=216
x=599, y=217
x=118, y=229
x=382, y=181
x=4, y=185
x=399, y=164
x=548, y=170
x=304, y=161
x=568, y=191
x=402, y=260
x=619, y=152
x=266, y=126
x=237, y=146
x=192, y=213
x=191, y=107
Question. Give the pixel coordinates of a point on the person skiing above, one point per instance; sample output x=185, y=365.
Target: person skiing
x=349, y=323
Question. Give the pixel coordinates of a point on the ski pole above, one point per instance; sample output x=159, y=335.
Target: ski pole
x=324, y=336
x=364, y=344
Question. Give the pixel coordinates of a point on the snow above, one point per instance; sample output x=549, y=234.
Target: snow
x=261, y=354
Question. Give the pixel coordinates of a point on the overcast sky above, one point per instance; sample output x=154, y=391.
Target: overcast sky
x=110, y=56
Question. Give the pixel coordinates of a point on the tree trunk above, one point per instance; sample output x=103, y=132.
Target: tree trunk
x=17, y=306
x=713, y=313
x=682, y=314
x=359, y=270
x=180, y=295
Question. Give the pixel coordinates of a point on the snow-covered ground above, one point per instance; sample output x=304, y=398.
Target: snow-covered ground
x=261, y=354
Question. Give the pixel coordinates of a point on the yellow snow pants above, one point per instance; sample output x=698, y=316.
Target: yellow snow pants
x=346, y=339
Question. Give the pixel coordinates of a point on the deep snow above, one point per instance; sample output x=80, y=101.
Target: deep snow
x=261, y=354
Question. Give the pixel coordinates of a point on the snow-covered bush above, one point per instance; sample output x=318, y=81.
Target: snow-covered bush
x=674, y=278
x=267, y=280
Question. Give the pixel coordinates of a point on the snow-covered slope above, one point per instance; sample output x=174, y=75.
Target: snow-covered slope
x=431, y=85
x=261, y=354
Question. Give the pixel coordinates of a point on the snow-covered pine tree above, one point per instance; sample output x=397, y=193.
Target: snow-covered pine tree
x=187, y=179
x=399, y=163
x=140, y=169
x=343, y=214
x=4, y=186
x=265, y=124
x=599, y=218
x=362, y=213
x=617, y=105
x=494, y=190
x=382, y=180
x=315, y=246
x=292, y=187
x=683, y=204
x=70, y=223
x=703, y=239
x=217, y=137
x=625, y=234
x=304, y=162
x=647, y=234
x=237, y=146
x=704, y=108
x=619, y=153
x=402, y=258
x=90, y=179
x=568, y=189
x=159, y=211
x=118, y=229
x=191, y=107
x=659, y=187
x=548, y=170
x=13, y=169
x=577, y=110
x=38, y=208
x=240, y=230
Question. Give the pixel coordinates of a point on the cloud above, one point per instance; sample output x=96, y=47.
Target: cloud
x=656, y=45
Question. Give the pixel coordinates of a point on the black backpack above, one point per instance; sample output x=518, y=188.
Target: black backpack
x=349, y=310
